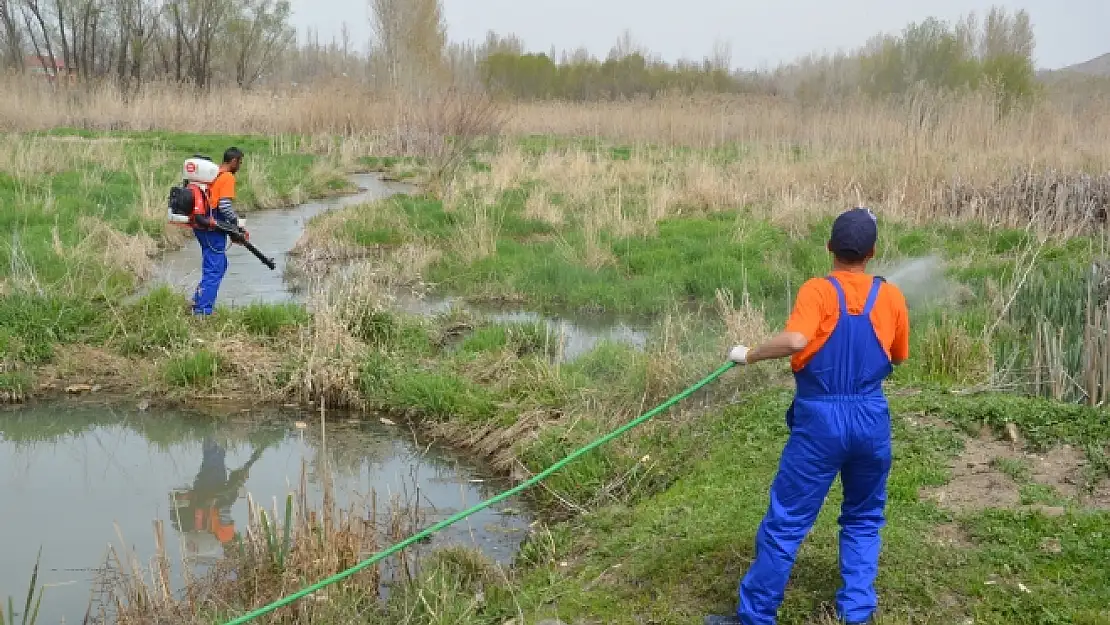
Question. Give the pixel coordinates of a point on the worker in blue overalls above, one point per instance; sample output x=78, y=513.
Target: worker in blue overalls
x=213, y=241
x=843, y=336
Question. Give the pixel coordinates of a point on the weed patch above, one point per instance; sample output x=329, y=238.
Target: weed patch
x=197, y=369
x=269, y=320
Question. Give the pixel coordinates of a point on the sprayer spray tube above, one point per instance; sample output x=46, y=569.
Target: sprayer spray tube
x=237, y=237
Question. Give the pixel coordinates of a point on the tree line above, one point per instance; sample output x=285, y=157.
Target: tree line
x=133, y=41
x=996, y=52
x=253, y=42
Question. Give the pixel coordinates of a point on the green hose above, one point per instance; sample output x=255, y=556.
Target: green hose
x=381, y=555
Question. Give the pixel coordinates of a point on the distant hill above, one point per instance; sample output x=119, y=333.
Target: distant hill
x=1098, y=66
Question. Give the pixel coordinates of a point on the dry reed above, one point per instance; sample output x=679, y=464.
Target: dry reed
x=926, y=157
x=279, y=548
x=328, y=352
x=912, y=126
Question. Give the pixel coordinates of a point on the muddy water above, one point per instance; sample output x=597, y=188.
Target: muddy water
x=276, y=231
x=70, y=474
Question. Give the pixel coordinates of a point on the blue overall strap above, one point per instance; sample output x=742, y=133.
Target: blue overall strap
x=839, y=294
x=876, y=284
x=872, y=296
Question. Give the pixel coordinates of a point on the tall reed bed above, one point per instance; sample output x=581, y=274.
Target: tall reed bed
x=917, y=123
x=1059, y=344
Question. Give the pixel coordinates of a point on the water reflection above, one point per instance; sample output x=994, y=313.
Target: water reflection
x=571, y=336
x=71, y=474
x=202, y=514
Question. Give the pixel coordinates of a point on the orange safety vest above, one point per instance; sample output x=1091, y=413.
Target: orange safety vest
x=200, y=208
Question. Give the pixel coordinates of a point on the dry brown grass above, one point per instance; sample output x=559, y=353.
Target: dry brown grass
x=925, y=157
x=328, y=351
x=23, y=157
x=911, y=126
x=129, y=253
x=281, y=547
x=629, y=197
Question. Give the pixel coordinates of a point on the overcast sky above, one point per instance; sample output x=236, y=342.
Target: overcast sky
x=762, y=33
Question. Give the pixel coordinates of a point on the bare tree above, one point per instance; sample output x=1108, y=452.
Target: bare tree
x=11, y=37
x=387, y=18
x=35, y=21
x=626, y=46
x=410, y=41
x=720, y=56
x=136, y=25
x=256, y=36
x=197, y=24
x=201, y=42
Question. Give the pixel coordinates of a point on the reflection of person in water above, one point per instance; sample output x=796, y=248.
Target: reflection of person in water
x=204, y=512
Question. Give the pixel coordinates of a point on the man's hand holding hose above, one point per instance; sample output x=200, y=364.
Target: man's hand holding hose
x=783, y=345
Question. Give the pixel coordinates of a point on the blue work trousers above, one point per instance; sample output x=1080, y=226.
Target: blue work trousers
x=213, y=254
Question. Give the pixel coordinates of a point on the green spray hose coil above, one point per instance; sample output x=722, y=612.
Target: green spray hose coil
x=381, y=555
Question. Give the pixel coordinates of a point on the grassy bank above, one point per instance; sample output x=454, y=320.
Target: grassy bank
x=1005, y=305
x=660, y=524
x=1008, y=295
x=85, y=218
x=1006, y=546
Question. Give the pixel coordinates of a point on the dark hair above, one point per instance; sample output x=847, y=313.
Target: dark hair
x=849, y=256
x=231, y=154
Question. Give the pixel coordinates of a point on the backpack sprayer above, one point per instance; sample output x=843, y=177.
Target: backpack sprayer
x=198, y=173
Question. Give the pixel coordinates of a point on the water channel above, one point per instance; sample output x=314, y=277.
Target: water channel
x=277, y=231
x=79, y=477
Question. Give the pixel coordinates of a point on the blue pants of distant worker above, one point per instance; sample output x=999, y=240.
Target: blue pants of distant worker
x=839, y=423
x=213, y=254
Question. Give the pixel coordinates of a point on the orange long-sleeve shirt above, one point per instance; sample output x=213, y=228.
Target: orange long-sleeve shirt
x=817, y=309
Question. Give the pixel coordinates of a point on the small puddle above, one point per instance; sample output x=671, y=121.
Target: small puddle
x=73, y=472
x=577, y=335
x=275, y=232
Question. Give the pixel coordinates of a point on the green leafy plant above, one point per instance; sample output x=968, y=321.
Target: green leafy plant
x=30, y=615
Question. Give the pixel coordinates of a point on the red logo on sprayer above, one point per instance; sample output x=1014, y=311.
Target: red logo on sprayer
x=191, y=168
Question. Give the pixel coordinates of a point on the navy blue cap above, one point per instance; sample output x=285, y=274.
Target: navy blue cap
x=853, y=234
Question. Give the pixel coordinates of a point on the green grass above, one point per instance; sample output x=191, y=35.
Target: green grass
x=195, y=369
x=15, y=384
x=682, y=261
x=269, y=320
x=674, y=553
x=673, y=508
x=65, y=203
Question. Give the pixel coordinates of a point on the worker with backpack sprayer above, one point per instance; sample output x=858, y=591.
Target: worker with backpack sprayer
x=203, y=203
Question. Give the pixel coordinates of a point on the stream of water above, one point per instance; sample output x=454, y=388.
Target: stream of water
x=71, y=474
x=78, y=478
x=275, y=232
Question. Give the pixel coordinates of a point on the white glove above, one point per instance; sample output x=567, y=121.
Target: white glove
x=739, y=354
x=242, y=223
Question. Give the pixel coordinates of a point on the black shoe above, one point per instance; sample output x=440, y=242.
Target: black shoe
x=713, y=619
